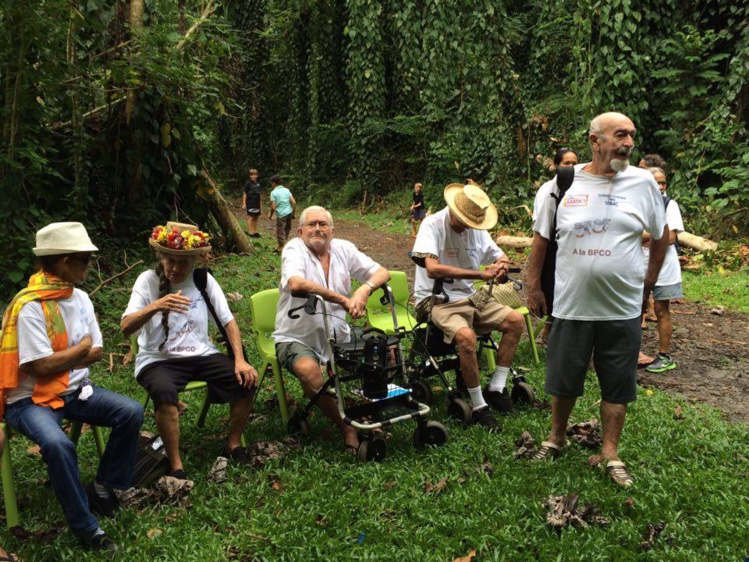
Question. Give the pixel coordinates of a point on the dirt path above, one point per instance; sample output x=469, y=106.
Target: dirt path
x=711, y=350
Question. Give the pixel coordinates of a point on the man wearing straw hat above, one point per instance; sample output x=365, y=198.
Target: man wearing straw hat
x=454, y=243
x=50, y=337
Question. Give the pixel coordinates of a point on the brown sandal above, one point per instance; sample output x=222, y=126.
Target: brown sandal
x=548, y=450
x=618, y=473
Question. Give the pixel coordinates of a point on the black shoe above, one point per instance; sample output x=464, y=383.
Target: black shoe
x=240, y=455
x=179, y=474
x=484, y=417
x=105, y=507
x=101, y=543
x=500, y=401
x=256, y=235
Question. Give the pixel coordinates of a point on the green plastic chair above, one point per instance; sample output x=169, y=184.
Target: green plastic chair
x=12, y=517
x=192, y=385
x=491, y=358
x=379, y=316
x=263, y=307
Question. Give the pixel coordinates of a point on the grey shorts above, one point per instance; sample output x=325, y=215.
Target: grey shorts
x=288, y=352
x=614, y=345
x=667, y=292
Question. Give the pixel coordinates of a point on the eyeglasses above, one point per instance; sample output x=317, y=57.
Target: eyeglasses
x=85, y=259
x=322, y=225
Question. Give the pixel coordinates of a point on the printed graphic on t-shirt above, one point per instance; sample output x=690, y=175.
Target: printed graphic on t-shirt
x=576, y=201
x=588, y=228
x=452, y=252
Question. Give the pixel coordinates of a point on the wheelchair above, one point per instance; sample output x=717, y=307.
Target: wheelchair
x=362, y=377
x=430, y=357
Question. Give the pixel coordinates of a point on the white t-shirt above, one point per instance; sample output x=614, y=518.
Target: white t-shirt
x=33, y=342
x=188, y=332
x=297, y=260
x=468, y=250
x=671, y=270
x=599, y=273
x=541, y=194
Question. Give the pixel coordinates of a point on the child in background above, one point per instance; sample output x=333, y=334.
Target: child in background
x=418, y=212
x=251, y=202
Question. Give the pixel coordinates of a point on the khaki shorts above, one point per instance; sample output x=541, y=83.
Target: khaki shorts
x=453, y=316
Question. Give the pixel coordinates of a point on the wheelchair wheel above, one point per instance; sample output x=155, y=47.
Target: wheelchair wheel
x=431, y=433
x=460, y=410
x=421, y=392
x=298, y=424
x=372, y=449
x=522, y=393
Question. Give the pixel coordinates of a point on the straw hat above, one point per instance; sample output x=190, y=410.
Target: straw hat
x=63, y=238
x=471, y=205
x=179, y=239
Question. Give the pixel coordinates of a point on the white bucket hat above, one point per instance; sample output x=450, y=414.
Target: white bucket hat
x=63, y=238
x=471, y=205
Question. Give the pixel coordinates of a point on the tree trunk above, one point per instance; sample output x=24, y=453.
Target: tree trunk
x=696, y=242
x=235, y=236
x=685, y=239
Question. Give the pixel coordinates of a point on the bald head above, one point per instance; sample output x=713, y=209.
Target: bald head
x=612, y=138
x=601, y=122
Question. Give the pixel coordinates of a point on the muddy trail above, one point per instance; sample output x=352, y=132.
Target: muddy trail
x=710, y=346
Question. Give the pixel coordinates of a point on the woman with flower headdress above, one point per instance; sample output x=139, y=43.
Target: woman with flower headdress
x=168, y=312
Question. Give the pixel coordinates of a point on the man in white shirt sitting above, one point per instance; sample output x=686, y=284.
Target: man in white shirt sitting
x=454, y=243
x=316, y=262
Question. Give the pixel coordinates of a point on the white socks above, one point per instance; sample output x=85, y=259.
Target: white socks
x=477, y=398
x=499, y=379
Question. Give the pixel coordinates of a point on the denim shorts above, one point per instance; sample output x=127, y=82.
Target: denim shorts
x=667, y=292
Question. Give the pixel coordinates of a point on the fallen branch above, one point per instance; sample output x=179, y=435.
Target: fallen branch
x=120, y=274
x=93, y=112
x=685, y=239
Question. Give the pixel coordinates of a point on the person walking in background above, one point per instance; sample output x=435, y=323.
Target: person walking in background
x=668, y=286
x=251, y=203
x=283, y=204
x=418, y=212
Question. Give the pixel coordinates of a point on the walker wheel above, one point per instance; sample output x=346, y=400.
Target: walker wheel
x=460, y=410
x=298, y=424
x=522, y=393
x=421, y=392
x=431, y=433
x=372, y=449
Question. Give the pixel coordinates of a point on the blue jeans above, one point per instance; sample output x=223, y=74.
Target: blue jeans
x=104, y=409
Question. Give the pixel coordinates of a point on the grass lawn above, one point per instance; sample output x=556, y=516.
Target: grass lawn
x=718, y=288
x=318, y=504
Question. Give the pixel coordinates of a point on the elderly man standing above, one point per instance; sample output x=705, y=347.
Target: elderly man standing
x=316, y=262
x=598, y=292
x=454, y=243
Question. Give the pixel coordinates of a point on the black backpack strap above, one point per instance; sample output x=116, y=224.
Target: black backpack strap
x=200, y=278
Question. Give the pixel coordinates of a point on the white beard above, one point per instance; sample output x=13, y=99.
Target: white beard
x=619, y=165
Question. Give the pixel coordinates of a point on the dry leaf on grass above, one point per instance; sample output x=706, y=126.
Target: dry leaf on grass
x=652, y=532
x=265, y=451
x=275, y=482
x=217, y=474
x=40, y=536
x=678, y=413
x=166, y=490
x=526, y=444
x=127, y=359
x=467, y=558
x=563, y=511
x=586, y=433
x=151, y=533
x=486, y=468
x=34, y=450
x=430, y=488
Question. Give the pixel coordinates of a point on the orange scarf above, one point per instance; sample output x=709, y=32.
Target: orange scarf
x=46, y=288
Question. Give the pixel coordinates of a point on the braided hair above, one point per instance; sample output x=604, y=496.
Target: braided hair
x=164, y=289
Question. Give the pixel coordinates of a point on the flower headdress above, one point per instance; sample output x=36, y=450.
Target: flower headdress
x=180, y=239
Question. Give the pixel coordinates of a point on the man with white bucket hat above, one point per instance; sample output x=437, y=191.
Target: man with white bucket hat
x=50, y=337
x=453, y=243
